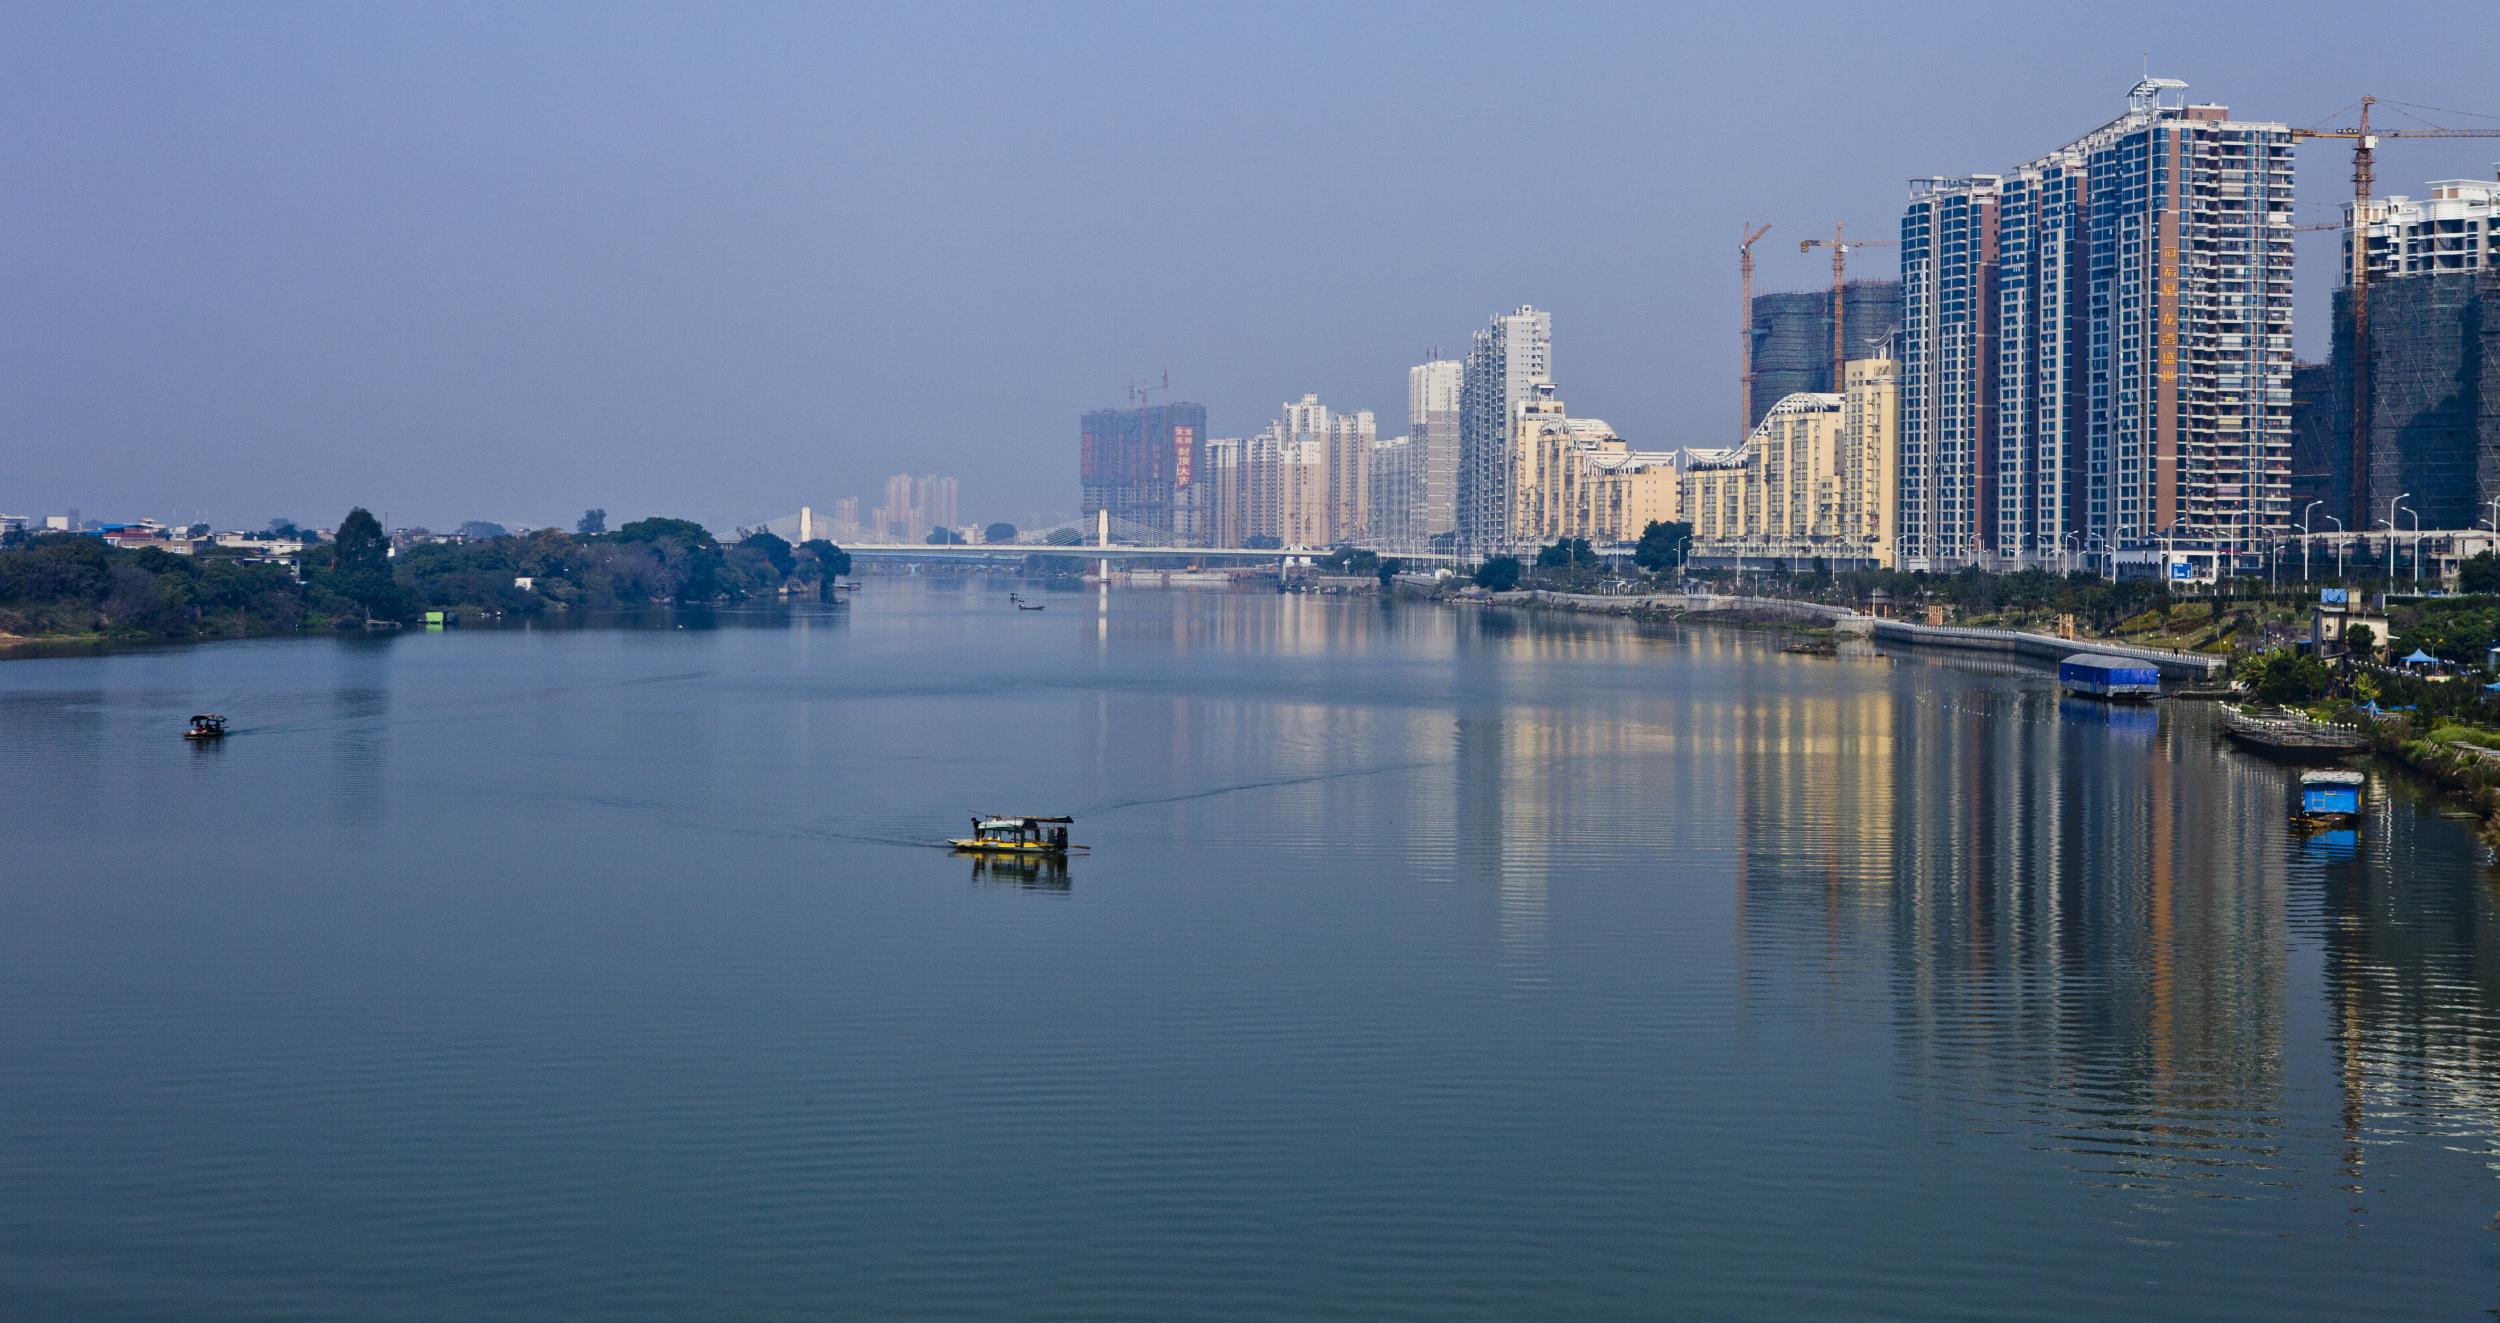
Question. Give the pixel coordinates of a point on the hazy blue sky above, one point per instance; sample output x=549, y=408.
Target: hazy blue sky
x=505, y=261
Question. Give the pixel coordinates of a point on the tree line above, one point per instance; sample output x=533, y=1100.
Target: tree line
x=66, y=584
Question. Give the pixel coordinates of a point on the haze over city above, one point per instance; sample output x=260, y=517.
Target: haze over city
x=460, y=262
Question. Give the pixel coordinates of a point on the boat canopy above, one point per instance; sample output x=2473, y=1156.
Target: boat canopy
x=1013, y=819
x=2335, y=777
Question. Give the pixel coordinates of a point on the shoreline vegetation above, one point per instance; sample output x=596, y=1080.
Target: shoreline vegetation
x=69, y=589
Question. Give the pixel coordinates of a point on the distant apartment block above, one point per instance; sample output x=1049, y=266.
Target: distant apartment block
x=913, y=507
x=1434, y=391
x=1506, y=361
x=1138, y=464
x=2096, y=345
x=1397, y=482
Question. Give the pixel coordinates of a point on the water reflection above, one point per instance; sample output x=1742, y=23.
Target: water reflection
x=1036, y=873
x=2079, y=909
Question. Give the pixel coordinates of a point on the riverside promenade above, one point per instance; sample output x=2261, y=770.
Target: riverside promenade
x=2047, y=648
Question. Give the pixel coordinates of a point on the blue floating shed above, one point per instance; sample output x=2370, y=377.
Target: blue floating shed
x=2094, y=675
x=2330, y=796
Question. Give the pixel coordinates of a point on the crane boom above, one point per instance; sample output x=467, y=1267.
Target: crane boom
x=1840, y=243
x=1744, y=267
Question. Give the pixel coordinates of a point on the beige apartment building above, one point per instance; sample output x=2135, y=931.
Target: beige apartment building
x=1817, y=479
x=1574, y=478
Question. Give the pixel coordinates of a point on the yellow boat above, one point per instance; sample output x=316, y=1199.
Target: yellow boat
x=1014, y=833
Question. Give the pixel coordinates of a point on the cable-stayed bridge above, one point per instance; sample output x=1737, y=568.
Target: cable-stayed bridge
x=1102, y=537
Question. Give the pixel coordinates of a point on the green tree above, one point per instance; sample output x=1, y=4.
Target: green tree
x=1263, y=542
x=2479, y=574
x=832, y=563
x=2282, y=677
x=775, y=551
x=360, y=567
x=2361, y=638
x=593, y=522
x=660, y=530
x=1389, y=569
x=1001, y=531
x=1498, y=575
x=944, y=537
x=1663, y=545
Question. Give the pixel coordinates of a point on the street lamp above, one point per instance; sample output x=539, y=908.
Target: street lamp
x=2339, y=548
x=2391, y=533
x=2305, y=512
x=2417, y=542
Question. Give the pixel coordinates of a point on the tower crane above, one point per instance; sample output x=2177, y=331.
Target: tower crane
x=1840, y=243
x=2364, y=160
x=1744, y=266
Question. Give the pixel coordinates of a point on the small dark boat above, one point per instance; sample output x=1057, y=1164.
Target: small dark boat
x=206, y=726
x=1022, y=605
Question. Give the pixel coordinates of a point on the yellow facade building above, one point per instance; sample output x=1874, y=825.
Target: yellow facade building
x=1817, y=479
x=1574, y=478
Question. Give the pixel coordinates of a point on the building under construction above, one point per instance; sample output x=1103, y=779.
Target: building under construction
x=2434, y=407
x=1792, y=338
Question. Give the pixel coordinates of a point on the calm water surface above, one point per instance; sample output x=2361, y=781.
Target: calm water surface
x=1427, y=963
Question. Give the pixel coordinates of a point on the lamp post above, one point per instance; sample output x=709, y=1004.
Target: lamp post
x=2305, y=512
x=2417, y=542
x=2339, y=549
x=2391, y=533
x=2069, y=546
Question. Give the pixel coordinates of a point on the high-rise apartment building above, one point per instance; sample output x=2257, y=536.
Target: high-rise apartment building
x=1132, y=462
x=2096, y=346
x=913, y=507
x=1507, y=359
x=1346, y=440
x=1433, y=391
x=1396, y=492
x=1286, y=478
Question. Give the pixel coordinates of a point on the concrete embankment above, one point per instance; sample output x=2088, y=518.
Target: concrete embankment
x=2044, y=648
x=2048, y=648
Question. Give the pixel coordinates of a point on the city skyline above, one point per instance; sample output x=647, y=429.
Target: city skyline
x=328, y=285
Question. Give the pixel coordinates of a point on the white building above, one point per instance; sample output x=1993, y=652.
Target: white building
x=1433, y=393
x=1508, y=359
x=2456, y=228
x=1396, y=495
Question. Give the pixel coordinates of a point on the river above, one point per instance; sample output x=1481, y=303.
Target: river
x=1429, y=961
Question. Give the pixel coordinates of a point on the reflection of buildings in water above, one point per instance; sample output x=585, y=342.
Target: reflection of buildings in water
x=2067, y=916
x=1039, y=873
x=2412, y=969
x=1501, y=837
x=1811, y=793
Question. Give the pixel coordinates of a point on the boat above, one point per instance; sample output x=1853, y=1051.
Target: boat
x=1022, y=605
x=2114, y=679
x=206, y=726
x=2290, y=735
x=1016, y=834
x=2329, y=799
